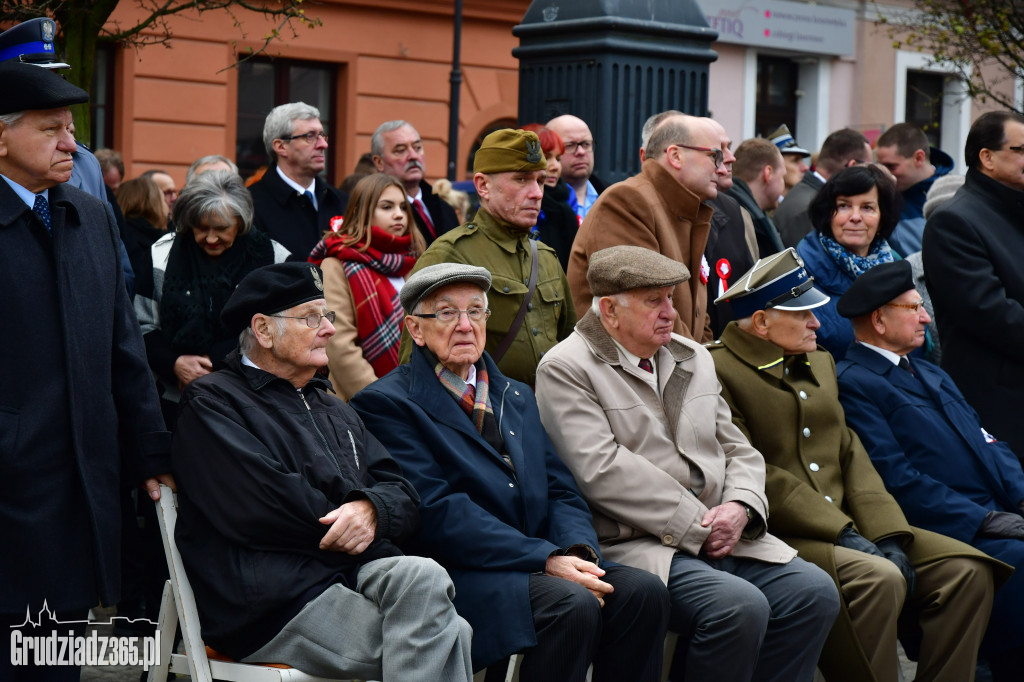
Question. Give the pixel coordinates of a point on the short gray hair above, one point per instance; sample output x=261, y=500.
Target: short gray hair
x=621, y=298
x=214, y=193
x=377, y=141
x=207, y=160
x=651, y=123
x=281, y=123
x=672, y=130
x=247, y=341
x=10, y=119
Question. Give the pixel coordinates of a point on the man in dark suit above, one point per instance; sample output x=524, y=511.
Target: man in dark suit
x=292, y=203
x=972, y=252
x=948, y=474
x=498, y=508
x=841, y=149
x=77, y=402
x=397, y=150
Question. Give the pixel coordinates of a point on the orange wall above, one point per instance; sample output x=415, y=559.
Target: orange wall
x=178, y=102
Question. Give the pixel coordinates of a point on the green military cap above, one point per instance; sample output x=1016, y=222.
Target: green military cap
x=624, y=268
x=509, y=150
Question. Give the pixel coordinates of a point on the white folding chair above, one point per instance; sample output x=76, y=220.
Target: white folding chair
x=179, y=607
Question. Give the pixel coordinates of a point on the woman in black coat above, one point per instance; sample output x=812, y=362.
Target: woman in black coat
x=557, y=223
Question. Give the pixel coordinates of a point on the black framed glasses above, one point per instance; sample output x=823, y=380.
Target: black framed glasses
x=450, y=315
x=716, y=154
x=313, y=319
x=310, y=137
x=585, y=145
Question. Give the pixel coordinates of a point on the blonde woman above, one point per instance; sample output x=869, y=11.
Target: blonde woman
x=365, y=262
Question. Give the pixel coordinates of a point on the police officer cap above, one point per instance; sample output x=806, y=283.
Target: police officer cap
x=875, y=288
x=784, y=140
x=778, y=281
x=624, y=268
x=509, y=150
x=31, y=42
x=433, y=277
x=270, y=290
x=26, y=88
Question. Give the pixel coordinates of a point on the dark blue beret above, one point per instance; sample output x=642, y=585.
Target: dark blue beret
x=270, y=290
x=875, y=288
x=26, y=88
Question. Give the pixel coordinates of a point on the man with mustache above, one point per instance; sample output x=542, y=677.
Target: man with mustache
x=397, y=150
x=292, y=203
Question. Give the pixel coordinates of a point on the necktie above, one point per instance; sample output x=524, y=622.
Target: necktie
x=645, y=364
x=42, y=209
x=422, y=210
x=905, y=364
x=312, y=199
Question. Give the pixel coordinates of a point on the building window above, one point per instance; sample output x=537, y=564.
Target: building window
x=776, y=94
x=266, y=83
x=924, y=103
x=101, y=99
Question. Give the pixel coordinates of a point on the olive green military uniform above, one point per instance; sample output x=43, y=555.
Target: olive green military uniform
x=819, y=480
x=505, y=251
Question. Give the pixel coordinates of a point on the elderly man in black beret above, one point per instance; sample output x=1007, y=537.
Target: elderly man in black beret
x=500, y=510
x=947, y=472
x=635, y=412
x=291, y=513
x=78, y=410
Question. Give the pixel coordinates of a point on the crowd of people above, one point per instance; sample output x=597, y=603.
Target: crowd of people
x=410, y=440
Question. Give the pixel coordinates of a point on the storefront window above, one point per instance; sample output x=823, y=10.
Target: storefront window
x=776, y=94
x=924, y=103
x=266, y=83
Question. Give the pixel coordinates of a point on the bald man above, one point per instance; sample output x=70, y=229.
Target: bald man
x=578, y=162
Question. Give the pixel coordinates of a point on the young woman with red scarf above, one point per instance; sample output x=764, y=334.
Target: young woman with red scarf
x=365, y=261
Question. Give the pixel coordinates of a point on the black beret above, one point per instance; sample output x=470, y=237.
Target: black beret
x=875, y=288
x=27, y=87
x=270, y=290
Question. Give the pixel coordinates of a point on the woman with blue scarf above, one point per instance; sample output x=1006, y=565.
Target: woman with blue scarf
x=853, y=215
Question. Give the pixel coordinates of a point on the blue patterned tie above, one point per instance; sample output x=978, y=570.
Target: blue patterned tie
x=42, y=209
x=312, y=199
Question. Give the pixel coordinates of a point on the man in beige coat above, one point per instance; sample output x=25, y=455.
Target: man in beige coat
x=635, y=412
x=661, y=209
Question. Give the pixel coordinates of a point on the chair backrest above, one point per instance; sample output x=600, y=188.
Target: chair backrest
x=184, y=600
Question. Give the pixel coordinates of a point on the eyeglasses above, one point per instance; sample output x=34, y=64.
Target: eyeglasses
x=717, y=154
x=312, y=320
x=916, y=307
x=310, y=137
x=449, y=315
x=585, y=145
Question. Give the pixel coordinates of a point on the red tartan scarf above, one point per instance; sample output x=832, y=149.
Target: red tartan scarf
x=379, y=313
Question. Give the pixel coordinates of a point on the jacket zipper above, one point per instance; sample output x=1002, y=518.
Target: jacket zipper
x=316, y=427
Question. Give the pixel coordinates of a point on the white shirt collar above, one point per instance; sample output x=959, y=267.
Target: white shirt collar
x=26, y=195
x=887, y=354
x=296, y=186
x=649, y=377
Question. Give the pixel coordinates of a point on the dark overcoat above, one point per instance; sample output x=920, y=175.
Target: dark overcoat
x=441, y=213
x=791, y=217
x=289, y=217
x=973, y=253
x=939, y=463
x=490, y=525
x=819, y=479
x=72, y=371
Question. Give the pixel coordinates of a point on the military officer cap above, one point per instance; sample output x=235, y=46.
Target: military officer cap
x=31, y=42
x=624, y=268
x=433, y=277
x=783, y=139
x=778, y=281
x=875, y=288
x=27, y=87
x=270, y=290
x=509, y=150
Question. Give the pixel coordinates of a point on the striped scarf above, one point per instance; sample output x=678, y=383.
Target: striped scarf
x=472, y=399
x=378, y=310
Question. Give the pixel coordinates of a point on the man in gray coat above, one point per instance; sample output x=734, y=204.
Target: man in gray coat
x=635, y=412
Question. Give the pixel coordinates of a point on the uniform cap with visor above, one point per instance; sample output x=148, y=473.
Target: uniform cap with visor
x=778, y=281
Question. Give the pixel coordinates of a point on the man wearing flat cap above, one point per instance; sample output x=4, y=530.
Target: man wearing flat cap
x=947, y=472
x=499, y=509
x=529, y=297
x=634, y=411
x=79, y=414
x=291, y=514
x=829, y=503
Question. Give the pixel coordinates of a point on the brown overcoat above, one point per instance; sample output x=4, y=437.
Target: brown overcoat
x=655, y=211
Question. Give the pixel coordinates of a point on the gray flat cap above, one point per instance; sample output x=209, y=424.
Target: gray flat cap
x=441, y=275
x=624, y=268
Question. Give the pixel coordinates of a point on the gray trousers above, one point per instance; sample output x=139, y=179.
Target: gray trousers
x=399, y=624
x=742, y=619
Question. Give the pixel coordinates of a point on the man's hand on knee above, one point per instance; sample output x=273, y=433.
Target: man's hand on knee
x=581, y=571
x=727, y=522
x=353, y=527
